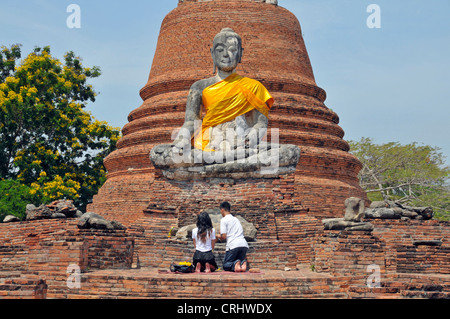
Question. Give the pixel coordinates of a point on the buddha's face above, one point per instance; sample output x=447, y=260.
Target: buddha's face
x=227, y=54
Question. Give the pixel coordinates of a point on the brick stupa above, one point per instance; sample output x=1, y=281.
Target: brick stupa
x=405, y=257
x=275, y=54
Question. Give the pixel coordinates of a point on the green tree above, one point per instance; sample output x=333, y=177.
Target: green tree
x=14, y=198
x=47, y=140
x=412, y=174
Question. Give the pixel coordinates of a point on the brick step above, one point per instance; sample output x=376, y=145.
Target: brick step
x=396, y=290
x=421, y=294
x=429, y=287
x=149, y=283
x=216, y=297
x=426, y=291
x=17, y=287
x=388, y=296
x=356, y=292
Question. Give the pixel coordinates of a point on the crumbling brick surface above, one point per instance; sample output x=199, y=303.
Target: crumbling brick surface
x=54, y=245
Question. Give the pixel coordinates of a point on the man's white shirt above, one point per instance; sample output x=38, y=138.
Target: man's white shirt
x=231, y=226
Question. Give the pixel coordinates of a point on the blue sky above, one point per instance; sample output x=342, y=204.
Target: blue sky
x=390, y=84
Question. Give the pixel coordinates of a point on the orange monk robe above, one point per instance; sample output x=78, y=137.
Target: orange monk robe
x=228, y=99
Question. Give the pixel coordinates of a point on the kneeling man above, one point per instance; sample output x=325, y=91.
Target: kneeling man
x=236, y=249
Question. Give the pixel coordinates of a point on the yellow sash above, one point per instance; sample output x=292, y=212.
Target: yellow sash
x=228, y=99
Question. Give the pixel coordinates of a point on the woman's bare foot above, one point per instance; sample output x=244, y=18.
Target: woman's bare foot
x=237, y=267
x=198, y=268
x=207, y=267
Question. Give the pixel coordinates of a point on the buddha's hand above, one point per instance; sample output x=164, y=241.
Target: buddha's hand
x=180, y=145
x=251, y=139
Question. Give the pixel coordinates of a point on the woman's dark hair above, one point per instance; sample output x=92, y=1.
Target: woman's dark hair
x=204, y=225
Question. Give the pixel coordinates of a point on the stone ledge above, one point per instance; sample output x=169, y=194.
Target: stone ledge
x=266, y=161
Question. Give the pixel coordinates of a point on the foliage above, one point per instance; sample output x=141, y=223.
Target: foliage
x=47, y=140
x=14, y=198
x=412, y=174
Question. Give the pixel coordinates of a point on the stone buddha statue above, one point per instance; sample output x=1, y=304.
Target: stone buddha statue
x=234, y=105
x=228, y=140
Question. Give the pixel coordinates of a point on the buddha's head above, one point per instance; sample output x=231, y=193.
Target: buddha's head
x=227, y=50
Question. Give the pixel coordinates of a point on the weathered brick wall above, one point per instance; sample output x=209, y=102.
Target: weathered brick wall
x=35, y=245
x=22, y=288
x=393, y=246
x=423, y=259
x=298, y=230
x=107, y=249
x=124, y=198
x=405, y=232
x=262, y=255
x=53, y=245
x=400, y=236
x=268, y=203
x=35, y=255
x=154, y=248
x=256, y=200
x=348, y=253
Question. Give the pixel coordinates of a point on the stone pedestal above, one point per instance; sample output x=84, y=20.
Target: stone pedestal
x=257, y=200
x=284, y=227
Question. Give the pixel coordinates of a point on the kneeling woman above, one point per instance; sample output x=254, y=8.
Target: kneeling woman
x=204, y=237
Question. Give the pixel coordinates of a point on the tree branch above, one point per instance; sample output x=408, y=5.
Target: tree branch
x=390, y=188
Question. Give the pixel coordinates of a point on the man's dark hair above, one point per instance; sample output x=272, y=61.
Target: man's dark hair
x=226, y=206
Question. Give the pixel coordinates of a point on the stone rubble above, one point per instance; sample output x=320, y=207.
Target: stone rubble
x=396, y=210
x=66, y=209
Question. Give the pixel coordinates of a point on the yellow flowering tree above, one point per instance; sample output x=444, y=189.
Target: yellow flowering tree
x=47, y=140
